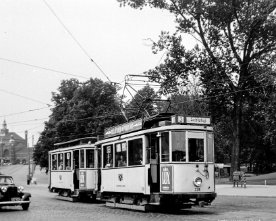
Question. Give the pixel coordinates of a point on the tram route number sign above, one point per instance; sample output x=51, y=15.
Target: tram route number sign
x=166, y=178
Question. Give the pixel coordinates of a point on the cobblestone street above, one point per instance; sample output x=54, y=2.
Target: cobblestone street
x=44, y=206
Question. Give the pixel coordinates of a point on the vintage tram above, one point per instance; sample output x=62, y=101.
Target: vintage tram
x=162, y=160
x=73, y=169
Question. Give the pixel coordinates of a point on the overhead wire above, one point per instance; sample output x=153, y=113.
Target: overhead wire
x=76, y=41
x=43, y=68
x=28, y=98
x=23, y=112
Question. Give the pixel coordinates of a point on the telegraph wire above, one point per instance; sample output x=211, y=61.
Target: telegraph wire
x=43, y=68
x=25, y=121
x=23, y=112
x=28, y=98
x=76, y=41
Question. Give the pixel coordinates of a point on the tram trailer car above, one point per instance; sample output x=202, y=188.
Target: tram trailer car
x=73, y=170
x=165, y=160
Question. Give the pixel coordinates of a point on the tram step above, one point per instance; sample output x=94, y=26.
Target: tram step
x=71, y=199
x=143, y=208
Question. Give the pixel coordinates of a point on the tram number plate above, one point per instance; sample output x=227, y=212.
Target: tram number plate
x=15, y=199
x=197, y=189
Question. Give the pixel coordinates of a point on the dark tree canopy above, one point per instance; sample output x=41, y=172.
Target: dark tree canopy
x=235, y=59
x=80, y=110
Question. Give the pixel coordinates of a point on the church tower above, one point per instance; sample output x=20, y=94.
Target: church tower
x=4, y=129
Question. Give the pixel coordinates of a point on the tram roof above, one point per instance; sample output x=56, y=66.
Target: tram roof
x=156, y=129
x=79, y=146
x=79, y=141
x=157, y=121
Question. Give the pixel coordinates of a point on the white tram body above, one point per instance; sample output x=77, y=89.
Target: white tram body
x=167, y=159
x=73, y=170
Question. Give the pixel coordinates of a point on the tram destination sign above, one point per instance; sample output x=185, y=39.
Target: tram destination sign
x=198, y=120
x=123, y=128
x=180, y=119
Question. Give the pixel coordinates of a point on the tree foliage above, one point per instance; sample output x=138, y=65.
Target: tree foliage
x=80, y=110
x=143, y=103
x=235, y=58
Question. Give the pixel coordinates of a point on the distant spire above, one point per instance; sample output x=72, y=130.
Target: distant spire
x=4, y=124
x=4, y=129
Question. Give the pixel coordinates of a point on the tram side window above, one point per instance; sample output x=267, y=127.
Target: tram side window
x=210, y=147
x=60, y=161
x=178, y=146
x=120, y=155
x=90, y=158
x=152, y=148
x=165, y=156
x=196, y=150
x=54, y=162
x=108, y=156
x=81, y=158
x=68, y=161
x=135, y=152
x=76, y=159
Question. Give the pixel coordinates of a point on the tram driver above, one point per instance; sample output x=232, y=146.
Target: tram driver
x=121, y=161
x=138, y=157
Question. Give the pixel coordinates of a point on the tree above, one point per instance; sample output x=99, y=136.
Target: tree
x=143, y=103
x=236, y=38
x=80, y=110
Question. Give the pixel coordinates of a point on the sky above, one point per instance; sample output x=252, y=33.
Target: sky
x=41, y=38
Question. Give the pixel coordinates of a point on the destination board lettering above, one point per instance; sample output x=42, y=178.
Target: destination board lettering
x=123, y=128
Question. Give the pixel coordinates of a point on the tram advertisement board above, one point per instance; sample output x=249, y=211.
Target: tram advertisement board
x=82, y=178
x=166, y=178
x=123, y=128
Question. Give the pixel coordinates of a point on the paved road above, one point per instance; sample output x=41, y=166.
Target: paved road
x=45, y=207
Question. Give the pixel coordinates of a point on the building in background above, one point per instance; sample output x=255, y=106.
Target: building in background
x=13, y=148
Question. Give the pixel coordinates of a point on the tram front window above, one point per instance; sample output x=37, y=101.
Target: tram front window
x=165, y=147
x=196, y=150
x=90, y=158
x=135, y=152
x=178, y=146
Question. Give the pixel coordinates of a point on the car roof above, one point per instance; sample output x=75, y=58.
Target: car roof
x=2, y=175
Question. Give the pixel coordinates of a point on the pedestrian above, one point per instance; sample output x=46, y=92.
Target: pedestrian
x=236, y=178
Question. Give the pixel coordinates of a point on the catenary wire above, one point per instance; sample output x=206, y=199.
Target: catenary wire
x=76, y=41
x=43, y=68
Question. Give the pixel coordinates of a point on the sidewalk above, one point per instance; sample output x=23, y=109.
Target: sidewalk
x=250, y=190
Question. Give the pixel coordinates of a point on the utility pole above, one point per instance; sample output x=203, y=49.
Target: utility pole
x=29, y=163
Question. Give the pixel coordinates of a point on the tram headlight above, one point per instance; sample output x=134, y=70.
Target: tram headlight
x=197, y=182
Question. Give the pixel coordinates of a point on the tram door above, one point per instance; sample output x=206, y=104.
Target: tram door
x=76, y=166
x=154, y=162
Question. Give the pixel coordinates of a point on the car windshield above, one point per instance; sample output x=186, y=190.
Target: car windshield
x=6, y=180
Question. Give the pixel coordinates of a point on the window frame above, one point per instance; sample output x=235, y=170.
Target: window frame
x=142, y=154
x=196, y=135
x=125, y=156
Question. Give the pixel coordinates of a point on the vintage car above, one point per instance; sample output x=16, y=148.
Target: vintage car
x=11, y=195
